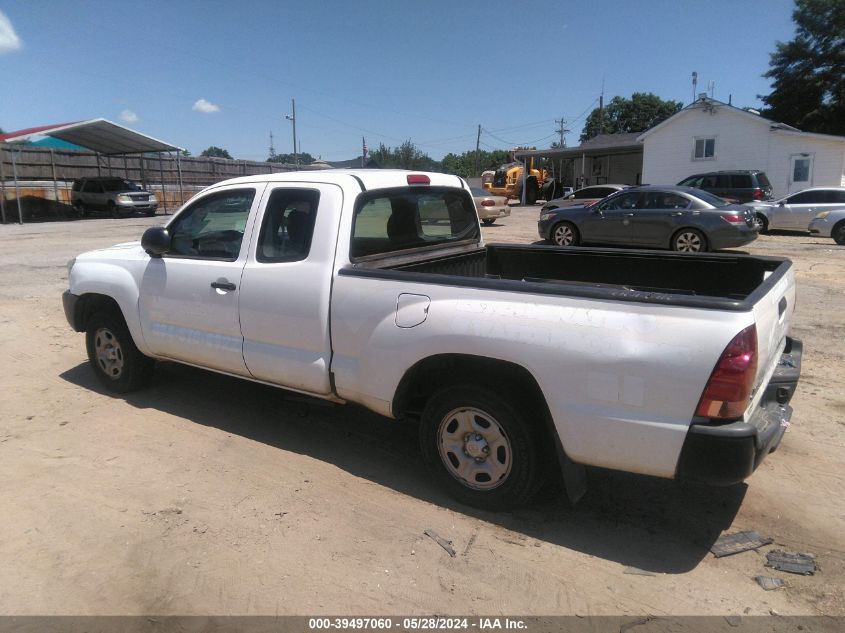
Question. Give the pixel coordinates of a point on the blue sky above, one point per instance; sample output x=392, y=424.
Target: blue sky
x=223, y=73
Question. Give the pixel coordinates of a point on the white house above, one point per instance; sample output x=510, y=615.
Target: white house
x=709, y=135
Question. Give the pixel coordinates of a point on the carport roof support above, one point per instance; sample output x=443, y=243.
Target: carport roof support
x=98, y=135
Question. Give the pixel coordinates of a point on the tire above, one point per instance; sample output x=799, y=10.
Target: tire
x=480, y=447
x=112, y=353
x=762, y=222
x=531, y=192
x=838, y=233
x=112, y=209
x=488, y=221
x=565, y=234
x=79, y=208
x=150, y=214
x=689, y=241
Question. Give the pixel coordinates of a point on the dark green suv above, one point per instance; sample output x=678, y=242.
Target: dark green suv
x=740, y=185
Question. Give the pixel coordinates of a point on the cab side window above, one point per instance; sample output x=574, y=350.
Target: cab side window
x=288, y=225
x=212, y=227
x=623, y=201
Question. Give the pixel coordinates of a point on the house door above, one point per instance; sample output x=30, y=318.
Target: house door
x=800, y=172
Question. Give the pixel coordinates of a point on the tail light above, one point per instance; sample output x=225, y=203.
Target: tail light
x=733, y=218
x=757, y=194
x=488, y=203
x=418, y=179
x=727, y=392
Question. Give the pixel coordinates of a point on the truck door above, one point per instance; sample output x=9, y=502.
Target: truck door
x=189, y=297
x=286, y=287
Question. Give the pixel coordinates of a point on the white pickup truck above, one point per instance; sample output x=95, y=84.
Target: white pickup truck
x=520, y=362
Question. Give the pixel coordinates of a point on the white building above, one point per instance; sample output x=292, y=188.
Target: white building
x=709, y=135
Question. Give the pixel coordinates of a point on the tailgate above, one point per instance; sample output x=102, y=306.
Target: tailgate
x=773, y=317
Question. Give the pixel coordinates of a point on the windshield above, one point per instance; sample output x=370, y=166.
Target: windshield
x=119, y=184
x=390, y=220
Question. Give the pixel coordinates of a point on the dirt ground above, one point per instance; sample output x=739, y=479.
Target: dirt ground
x=209, y=495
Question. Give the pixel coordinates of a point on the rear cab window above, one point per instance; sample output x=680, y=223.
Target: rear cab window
x=390, y=220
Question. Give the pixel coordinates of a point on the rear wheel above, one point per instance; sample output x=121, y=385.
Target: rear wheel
x=79, y=208
x=565, y=234
x=488, y=221
x=480, y=447
x=112, y=353
x=531, y=191
x=761, y=222
x=838, y=233
x=689, y=241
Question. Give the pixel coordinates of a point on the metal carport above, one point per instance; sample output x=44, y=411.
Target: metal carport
x=101, y=136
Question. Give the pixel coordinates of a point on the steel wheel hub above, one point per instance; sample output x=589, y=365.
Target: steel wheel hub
x=474, y=448
x=563, y=235
x=109, y=353
x=689, y=242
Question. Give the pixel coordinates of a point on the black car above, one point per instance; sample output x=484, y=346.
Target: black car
x=677, y=218
x=741, y=185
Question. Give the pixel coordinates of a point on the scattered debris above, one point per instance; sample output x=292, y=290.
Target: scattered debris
x=794, y=563
x=442, y=542
x=281, y=515
x=636, y=571
x=733, y=620
x=769, y=582
x=170, y=510
x=729, y=544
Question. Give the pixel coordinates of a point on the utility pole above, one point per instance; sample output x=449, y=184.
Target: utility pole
x=601, y=108
x=272, y=149
x=562, y=129
x=477, y=143
x=292, y=118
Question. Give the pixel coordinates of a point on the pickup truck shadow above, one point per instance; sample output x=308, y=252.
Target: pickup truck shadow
x=653, y=524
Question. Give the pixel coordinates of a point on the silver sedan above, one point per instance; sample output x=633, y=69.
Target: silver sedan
x=829, y=224
x=489, y=207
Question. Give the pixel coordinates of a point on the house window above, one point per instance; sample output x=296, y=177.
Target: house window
x=704, y=148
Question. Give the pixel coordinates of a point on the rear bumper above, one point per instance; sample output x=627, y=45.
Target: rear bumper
x=727, y=454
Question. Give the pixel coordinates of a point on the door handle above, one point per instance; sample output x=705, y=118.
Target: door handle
x=223, y=285
x=629, y=215
x=676, y=214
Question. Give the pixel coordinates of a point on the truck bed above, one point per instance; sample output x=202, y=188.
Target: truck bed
x=722, y=281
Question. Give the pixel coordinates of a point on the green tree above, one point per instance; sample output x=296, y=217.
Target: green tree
x=808, y=72
x=406, y=156
x=642, y=111
x=464, y=164
x=185, y=152
x=304, y=158
x=215, y=152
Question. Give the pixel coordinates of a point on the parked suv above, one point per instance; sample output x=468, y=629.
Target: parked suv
x=743, y=185
x=116, y=196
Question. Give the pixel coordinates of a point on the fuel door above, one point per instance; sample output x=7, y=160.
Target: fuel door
x=411, y=309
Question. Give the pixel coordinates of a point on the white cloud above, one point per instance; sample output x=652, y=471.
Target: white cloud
x=127, y=116
x=9, y=40
x=206, y=106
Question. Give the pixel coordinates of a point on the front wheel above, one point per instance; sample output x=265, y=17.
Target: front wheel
x=838, y=233
x=480, y=447
x=761, y=222
x=565, y=234
x=79, y=208
x=689, y=241
x=112, y=353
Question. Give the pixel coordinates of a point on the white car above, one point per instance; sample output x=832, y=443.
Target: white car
x=489, y=207
x=796, y=210
x=829, y=224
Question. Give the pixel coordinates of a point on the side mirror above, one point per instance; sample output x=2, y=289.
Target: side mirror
x=156, y=241
x=781, y=203
x=571, y=196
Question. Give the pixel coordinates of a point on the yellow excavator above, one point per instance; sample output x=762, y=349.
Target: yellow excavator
x=507, y=181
